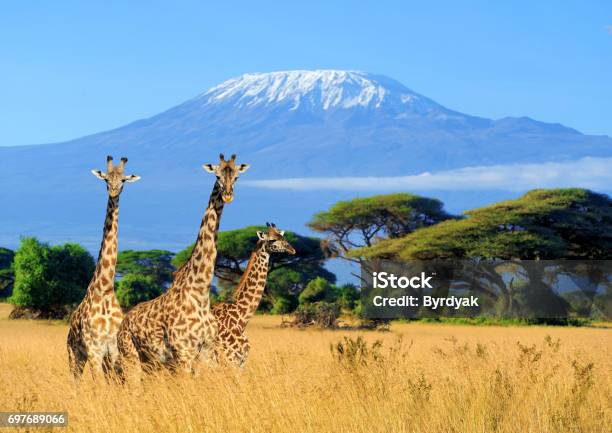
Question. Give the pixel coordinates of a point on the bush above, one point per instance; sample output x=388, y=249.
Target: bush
x=317, y=290
x=347, y=296
x=133, y=289
x=7, y=275
x=283, y=305
x=323, y=314
x=50, y=278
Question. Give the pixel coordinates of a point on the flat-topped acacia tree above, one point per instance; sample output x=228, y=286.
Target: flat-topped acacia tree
x=362, y=222
x=544, y=224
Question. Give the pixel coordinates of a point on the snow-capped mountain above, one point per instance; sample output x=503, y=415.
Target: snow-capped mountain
x=320, y=90
x=285, y=124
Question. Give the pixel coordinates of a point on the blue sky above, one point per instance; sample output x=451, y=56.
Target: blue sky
x=69, y=69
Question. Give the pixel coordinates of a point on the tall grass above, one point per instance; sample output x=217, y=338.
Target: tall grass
x=416, y=378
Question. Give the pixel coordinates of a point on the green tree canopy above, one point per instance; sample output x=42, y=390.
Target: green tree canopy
x=135, y=288
x=288, y=274
x=318, y=289
x=7, y=275
x=156, y=264
x=361, y=222
x=542, y=224
x=49, y=278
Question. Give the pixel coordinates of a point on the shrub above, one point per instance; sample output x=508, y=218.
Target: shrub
x=317, y=290
x=283, y=305
x=347, y=296
x=323, y=314
x=7, y=275
x=50, y=278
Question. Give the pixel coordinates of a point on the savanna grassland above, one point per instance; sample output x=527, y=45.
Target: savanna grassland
x=415, y=378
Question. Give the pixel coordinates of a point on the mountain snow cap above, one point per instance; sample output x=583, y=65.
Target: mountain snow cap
x=319, y=89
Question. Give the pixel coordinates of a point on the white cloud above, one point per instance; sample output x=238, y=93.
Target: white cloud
x=592, y=173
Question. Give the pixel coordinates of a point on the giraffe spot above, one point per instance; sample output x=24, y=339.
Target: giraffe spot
x=100, y=322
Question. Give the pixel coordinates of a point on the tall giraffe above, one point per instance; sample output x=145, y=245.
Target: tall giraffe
x=94, y=324
x=174, y=328
x=232, y=344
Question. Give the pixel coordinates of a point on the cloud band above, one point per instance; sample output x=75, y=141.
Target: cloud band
x=592, y=173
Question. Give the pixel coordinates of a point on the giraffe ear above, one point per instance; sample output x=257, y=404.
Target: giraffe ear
x=210, y=168
x=99, y=174
x=131, y=178
x=281, y=232
x=243, y=167
x=261, y=235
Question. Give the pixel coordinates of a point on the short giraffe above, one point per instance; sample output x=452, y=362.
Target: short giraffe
x=173, y=329
x=94, y=324
x=232, y=317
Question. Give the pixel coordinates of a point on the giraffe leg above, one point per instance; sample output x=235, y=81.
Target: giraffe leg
x=184, y=361
x=110, y=366
x=127, y=366
x=96, y=362
x=76, y=361
x=243, y=351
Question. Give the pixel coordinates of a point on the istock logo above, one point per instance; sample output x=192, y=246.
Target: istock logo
x=383, y=280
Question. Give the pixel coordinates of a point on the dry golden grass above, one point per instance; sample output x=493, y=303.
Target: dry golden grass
x=438, y=379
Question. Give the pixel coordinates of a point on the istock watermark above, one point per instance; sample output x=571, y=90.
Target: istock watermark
x=548, y=289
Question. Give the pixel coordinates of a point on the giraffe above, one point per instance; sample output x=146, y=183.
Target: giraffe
x=232, y=344
x=174, y=328
x=94, y=324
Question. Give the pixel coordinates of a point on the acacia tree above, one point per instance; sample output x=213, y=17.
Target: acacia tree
x=361, y=222
x=541, y=225
x=135, y=288
x=156, y=264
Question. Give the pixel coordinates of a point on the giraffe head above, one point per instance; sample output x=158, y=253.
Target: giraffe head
x=274, y=240
x=227, y=173
x=114, y=176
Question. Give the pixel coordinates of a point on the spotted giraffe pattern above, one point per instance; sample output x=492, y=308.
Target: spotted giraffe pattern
x=92, y=336
x=232, y=344
x=173, y=329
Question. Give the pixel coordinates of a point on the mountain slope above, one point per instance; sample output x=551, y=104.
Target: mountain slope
x=285, y=124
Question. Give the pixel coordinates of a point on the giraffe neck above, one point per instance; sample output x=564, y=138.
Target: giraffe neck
x=198, y=271
x=249, y=291
x=103, y=281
